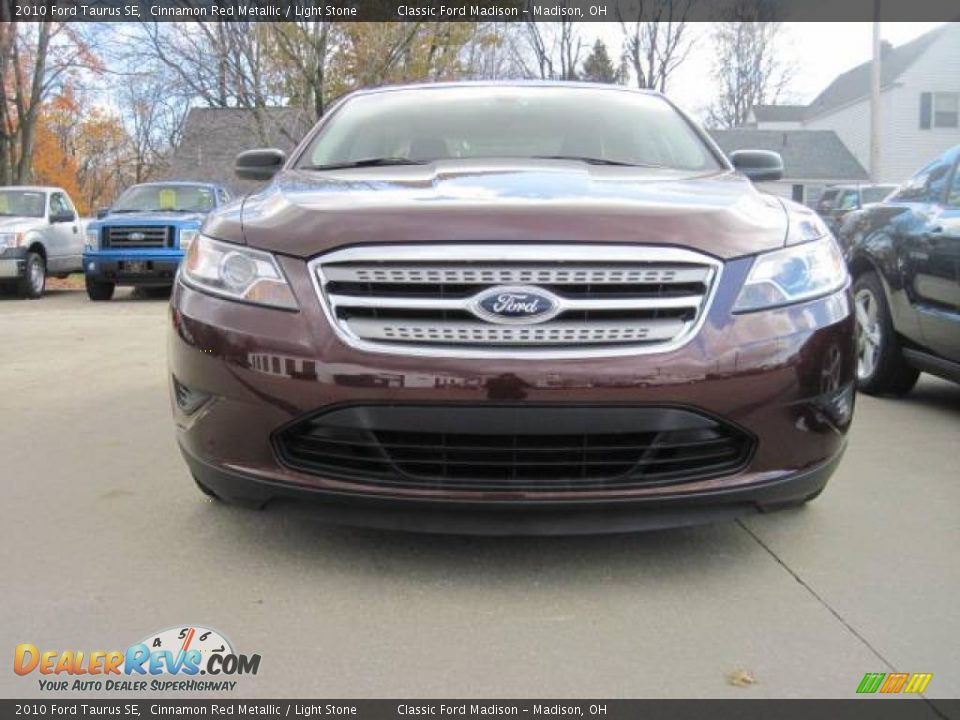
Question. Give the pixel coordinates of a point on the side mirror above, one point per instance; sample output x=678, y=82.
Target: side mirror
x=259, y=164
x=102, y=212
x=63, y=217
x=758, y=165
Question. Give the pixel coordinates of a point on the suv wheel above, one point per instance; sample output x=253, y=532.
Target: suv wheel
x=98, y=290
x=34, y=279
x=881, y=368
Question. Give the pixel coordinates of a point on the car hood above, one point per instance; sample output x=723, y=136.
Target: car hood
x=303, y=213
x=21, y=224
x=157, y=218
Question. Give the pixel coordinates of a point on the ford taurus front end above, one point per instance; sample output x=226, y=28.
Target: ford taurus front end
x=529, y=308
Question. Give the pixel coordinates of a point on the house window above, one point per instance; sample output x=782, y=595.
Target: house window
x=946, y=110
x=939, y=110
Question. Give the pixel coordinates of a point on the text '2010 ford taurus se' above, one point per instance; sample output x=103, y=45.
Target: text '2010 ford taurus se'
x=528, y=308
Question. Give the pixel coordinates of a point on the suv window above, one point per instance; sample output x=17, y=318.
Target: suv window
x=926, y=185
x=875, y=194
x=953, y=197
x=826, y=200
x=848, y=201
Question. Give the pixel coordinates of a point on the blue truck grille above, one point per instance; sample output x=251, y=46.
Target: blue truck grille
x=133, y=236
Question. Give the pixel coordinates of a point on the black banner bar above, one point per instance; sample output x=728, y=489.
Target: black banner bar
x=467, y=10
x=876, y=708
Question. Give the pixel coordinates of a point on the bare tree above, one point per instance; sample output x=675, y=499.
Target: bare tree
x=154, y=115
x=491, y=53
x=223, y=64
x=555, y=48
x=305, y=50
x=748, y=70
x=656, y=45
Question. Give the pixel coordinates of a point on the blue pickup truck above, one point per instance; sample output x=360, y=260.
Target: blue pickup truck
x=141, y=239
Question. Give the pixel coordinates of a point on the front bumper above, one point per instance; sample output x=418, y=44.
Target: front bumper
x=785, y=376
x=13, y=263
x=525, y=517
x=117, y=266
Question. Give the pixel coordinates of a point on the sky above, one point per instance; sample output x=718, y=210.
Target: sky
x=820, y=52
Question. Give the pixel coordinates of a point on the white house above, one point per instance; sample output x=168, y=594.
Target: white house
x=919, y=105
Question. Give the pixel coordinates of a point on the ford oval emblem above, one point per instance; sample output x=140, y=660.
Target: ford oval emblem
x=137, y=236
x=515, y=305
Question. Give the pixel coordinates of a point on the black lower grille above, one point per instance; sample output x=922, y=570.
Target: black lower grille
x=514, y=448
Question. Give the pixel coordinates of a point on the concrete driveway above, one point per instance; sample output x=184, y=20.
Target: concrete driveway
x=104, y=539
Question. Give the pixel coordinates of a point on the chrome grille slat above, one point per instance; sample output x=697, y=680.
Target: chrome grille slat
x=426, y=303
x=481, y=333
x=522, y=274
x=607, y=299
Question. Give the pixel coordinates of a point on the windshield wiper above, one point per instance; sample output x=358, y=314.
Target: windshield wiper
x=594, y=160
x=368, y=162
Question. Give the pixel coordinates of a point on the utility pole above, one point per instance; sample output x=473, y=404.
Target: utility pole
x=875, y=97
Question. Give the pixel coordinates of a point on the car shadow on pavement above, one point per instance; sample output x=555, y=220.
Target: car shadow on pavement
x=286, y=533
x=122, y=295
x=935, y=394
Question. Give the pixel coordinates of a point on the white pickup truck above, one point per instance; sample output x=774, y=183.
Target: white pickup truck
x=40, y=235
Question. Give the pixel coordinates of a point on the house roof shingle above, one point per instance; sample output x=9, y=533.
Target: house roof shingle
x=212, y=137
x=779, y=113
x=807, y=154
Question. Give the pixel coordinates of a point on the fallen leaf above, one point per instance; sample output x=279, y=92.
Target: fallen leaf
x=741, y=678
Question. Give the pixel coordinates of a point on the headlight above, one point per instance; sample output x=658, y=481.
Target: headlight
x=92, y=240
x=237, y=272
x=9, y=240
x=796, y=273
x=187, y=237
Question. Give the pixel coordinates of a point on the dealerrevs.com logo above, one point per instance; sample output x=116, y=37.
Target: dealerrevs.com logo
x=172, y=660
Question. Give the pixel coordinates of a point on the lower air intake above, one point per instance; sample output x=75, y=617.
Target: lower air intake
x=513, y=448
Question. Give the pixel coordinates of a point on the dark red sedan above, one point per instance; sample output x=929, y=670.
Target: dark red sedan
x=512, y=308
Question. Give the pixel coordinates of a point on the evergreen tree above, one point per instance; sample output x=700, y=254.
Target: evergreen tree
x=598, y=67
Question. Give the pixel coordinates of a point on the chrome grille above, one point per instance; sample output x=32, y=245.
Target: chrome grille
x=422, y=299
x=133, y=236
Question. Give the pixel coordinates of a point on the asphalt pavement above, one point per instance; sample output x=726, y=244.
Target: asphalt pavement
x=104, y=539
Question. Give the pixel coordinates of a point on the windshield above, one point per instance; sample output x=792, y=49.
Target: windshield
x=22, y=203
x=165, y=198
x=422, y=125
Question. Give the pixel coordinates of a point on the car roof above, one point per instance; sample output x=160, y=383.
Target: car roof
x=859, y=186
x=188, y=183
x=556, y=84
x=34, y=188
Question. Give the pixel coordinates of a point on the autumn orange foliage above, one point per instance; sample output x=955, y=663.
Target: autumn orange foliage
x=81, y=150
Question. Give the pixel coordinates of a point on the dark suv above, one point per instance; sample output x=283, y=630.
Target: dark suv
x=904, y=254
x=519, y=308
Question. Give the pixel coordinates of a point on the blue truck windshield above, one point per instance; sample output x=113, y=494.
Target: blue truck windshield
x=166, y=198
